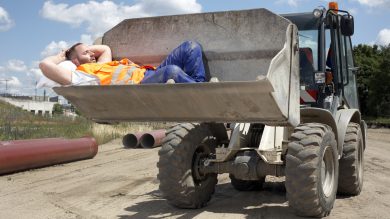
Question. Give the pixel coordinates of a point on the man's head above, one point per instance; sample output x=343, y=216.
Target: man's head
x=80, y=54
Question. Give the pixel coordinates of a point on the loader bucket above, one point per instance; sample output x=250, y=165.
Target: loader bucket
x=253, y=53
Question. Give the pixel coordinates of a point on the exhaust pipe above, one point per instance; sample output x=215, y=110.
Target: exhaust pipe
x=28, y=154
x=132, y=140
x=152, y=139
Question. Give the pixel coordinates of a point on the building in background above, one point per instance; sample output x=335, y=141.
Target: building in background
x=39, y=105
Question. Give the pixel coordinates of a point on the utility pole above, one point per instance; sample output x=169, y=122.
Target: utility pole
x=36, y=82
x=6, y=84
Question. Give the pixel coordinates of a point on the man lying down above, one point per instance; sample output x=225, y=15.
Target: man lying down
x=93, y=65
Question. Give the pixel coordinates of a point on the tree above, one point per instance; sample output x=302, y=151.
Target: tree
x=373, y=79
x=380, y=84
x=58, y=109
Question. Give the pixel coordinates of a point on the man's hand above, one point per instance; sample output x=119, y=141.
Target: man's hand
x=61, y=56
x=102, y=53
x=56, y=59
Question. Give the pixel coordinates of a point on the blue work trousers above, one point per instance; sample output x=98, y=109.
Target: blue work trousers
x=184, y=65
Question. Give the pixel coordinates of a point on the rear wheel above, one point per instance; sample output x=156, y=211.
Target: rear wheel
x=246, y=185
x=183, y=150
x=312, y=170
x=351, y=163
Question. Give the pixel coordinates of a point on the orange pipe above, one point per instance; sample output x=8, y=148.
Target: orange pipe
x=153, y=138
x=27, y=154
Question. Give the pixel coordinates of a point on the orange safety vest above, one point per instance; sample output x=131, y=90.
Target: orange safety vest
x=115, y=72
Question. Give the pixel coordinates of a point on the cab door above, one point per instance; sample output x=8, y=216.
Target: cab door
x=343, y=65
x=350, y=89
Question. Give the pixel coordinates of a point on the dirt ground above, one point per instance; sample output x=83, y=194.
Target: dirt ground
x=122, y=183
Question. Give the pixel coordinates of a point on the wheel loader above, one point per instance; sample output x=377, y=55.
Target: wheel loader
x=285, y=105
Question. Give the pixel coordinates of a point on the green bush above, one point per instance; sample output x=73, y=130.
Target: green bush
x=58, y=109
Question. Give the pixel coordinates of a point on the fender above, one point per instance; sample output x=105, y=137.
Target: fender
x=311, y=114
x=219, y=131
x=343, y=118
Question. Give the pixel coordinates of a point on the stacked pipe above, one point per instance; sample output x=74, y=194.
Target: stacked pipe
x=132, y=140
x=27, y=154
x=149, y=139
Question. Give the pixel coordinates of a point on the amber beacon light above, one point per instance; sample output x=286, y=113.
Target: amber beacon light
x=334, y=5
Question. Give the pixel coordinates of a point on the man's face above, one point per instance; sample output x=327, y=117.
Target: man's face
x=84, y=55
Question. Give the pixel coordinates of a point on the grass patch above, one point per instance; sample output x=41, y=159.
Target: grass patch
x=16, y=124
x=105, y=133
x=379, y=121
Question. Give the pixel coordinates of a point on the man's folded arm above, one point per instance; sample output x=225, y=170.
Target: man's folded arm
x=49, y=67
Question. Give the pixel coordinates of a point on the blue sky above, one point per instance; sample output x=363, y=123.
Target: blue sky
x=31, y=30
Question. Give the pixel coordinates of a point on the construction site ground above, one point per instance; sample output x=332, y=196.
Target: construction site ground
x=122, y=183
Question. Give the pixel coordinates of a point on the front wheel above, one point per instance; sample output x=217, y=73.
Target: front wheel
x=183, y=150
x=312, y=170
x=351, y=163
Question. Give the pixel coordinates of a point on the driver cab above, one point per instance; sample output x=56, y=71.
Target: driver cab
x=326, y=59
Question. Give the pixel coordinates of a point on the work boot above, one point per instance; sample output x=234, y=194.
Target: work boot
x=214, y=80
x=170, y=81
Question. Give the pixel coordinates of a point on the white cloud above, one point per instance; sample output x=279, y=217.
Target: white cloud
x=101, y=16
x=293, y=3
x=383, y=37
x=86, y=39
x=11, y=82
x=15, y=65
x=164, y=7
x=375, y=3
x=14, y=82
x=35, y=73
x=19, y=76
x=54, y=48
x=5, y=21
x=353, y=11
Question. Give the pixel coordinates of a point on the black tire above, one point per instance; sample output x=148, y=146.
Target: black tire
x=180, y=181
x=312, y=170
x=351, y=163
x=246, y=185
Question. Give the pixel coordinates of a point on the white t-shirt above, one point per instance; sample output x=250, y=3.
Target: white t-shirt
x=78, y=77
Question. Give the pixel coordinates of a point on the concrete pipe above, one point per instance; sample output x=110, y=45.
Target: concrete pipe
x=132, y=140
x=153, y=138
x=27, y=154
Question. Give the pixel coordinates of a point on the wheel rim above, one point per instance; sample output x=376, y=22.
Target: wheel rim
x=200, y=154
x=360, y=164
x=328, y=172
